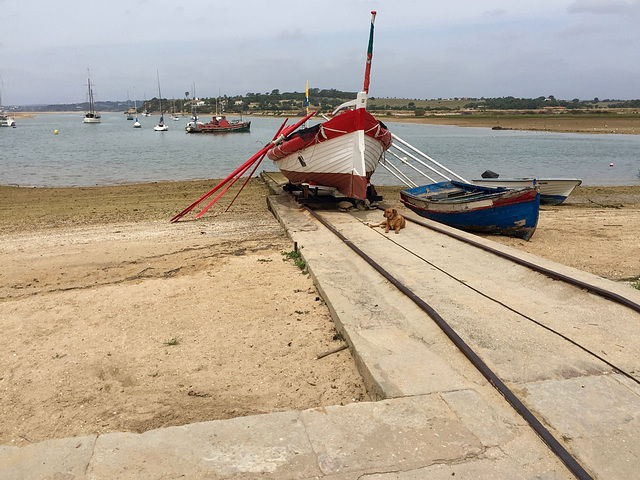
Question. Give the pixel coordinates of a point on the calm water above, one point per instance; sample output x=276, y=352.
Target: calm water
x=113, y=152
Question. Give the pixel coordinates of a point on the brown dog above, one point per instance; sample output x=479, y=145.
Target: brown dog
x=393, y=221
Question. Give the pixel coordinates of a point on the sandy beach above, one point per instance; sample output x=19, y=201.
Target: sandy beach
x=563, y=123
x=115, y=319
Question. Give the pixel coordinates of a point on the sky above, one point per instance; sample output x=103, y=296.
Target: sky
x=423, y=49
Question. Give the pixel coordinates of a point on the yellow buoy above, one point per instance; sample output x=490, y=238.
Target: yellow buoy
x=55, y=132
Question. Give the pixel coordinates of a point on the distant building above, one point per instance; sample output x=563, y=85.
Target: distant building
x=196, y=102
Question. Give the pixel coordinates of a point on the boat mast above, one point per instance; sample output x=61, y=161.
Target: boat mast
x=91, y=109
x=136, y=124
x=194, y=110
x=361, y=98
x=160, y=98
x=367, y=71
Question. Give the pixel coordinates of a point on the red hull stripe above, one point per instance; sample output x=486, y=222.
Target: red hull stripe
x=352, y=186
x=347, y=122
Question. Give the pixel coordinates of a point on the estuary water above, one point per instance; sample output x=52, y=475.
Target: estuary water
x=113, y=152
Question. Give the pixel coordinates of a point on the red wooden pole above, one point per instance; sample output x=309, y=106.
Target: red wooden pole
x=286, y=131
x=245, y=182
x=227, y=188
x=217, y=187
x=258, y=156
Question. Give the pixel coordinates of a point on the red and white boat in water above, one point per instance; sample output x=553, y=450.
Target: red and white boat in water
x=219, y=124
x=342, y=152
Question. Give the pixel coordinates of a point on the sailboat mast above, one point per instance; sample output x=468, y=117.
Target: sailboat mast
x=159, y=93
x=90, y=92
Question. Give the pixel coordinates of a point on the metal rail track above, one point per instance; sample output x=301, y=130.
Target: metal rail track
x=554, y=445
x=545, y=271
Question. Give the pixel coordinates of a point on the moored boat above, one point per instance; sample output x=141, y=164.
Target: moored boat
x=136, y=124
x=219, y=124
x=160, y=126
x=478, y=209
x=6, y=120
x=342, y=152
x=91, y=116
x=553, y=191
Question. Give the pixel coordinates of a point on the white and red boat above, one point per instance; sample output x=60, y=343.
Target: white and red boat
x=219, y=124
x=342, y=152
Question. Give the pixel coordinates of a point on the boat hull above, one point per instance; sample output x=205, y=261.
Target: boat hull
x=502, y=211
x=6, y=121
x=553, y=191
x=342, y=153
x=216, y=128
x=92, y=119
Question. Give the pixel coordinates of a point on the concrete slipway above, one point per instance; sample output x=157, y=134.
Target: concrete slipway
x=435, y=416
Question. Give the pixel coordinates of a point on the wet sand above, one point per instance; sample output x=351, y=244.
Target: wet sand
x=564, y=123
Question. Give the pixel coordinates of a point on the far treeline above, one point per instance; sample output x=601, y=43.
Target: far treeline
x=328, y=99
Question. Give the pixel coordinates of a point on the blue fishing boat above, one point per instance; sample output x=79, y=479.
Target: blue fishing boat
x=478, y=209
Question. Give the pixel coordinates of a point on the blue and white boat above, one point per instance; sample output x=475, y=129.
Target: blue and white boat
x=478, y=209
x=553, y=191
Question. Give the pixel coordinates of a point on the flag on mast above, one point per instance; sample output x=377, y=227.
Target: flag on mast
x=307, y=99
x=367, y=71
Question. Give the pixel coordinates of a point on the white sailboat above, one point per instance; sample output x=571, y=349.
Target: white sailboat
x=91, y=116
x=174, y=115
x=128, y=112
x=145, y=113
x=136, y=124
x=160, y=126
x=5, y=119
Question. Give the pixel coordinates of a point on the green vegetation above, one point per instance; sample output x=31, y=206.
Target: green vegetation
x=326, y=100
x=297, y=259
x=513, y=103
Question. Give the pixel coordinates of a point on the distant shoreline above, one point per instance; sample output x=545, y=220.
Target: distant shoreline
x=561, y=123
x=544, y=123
